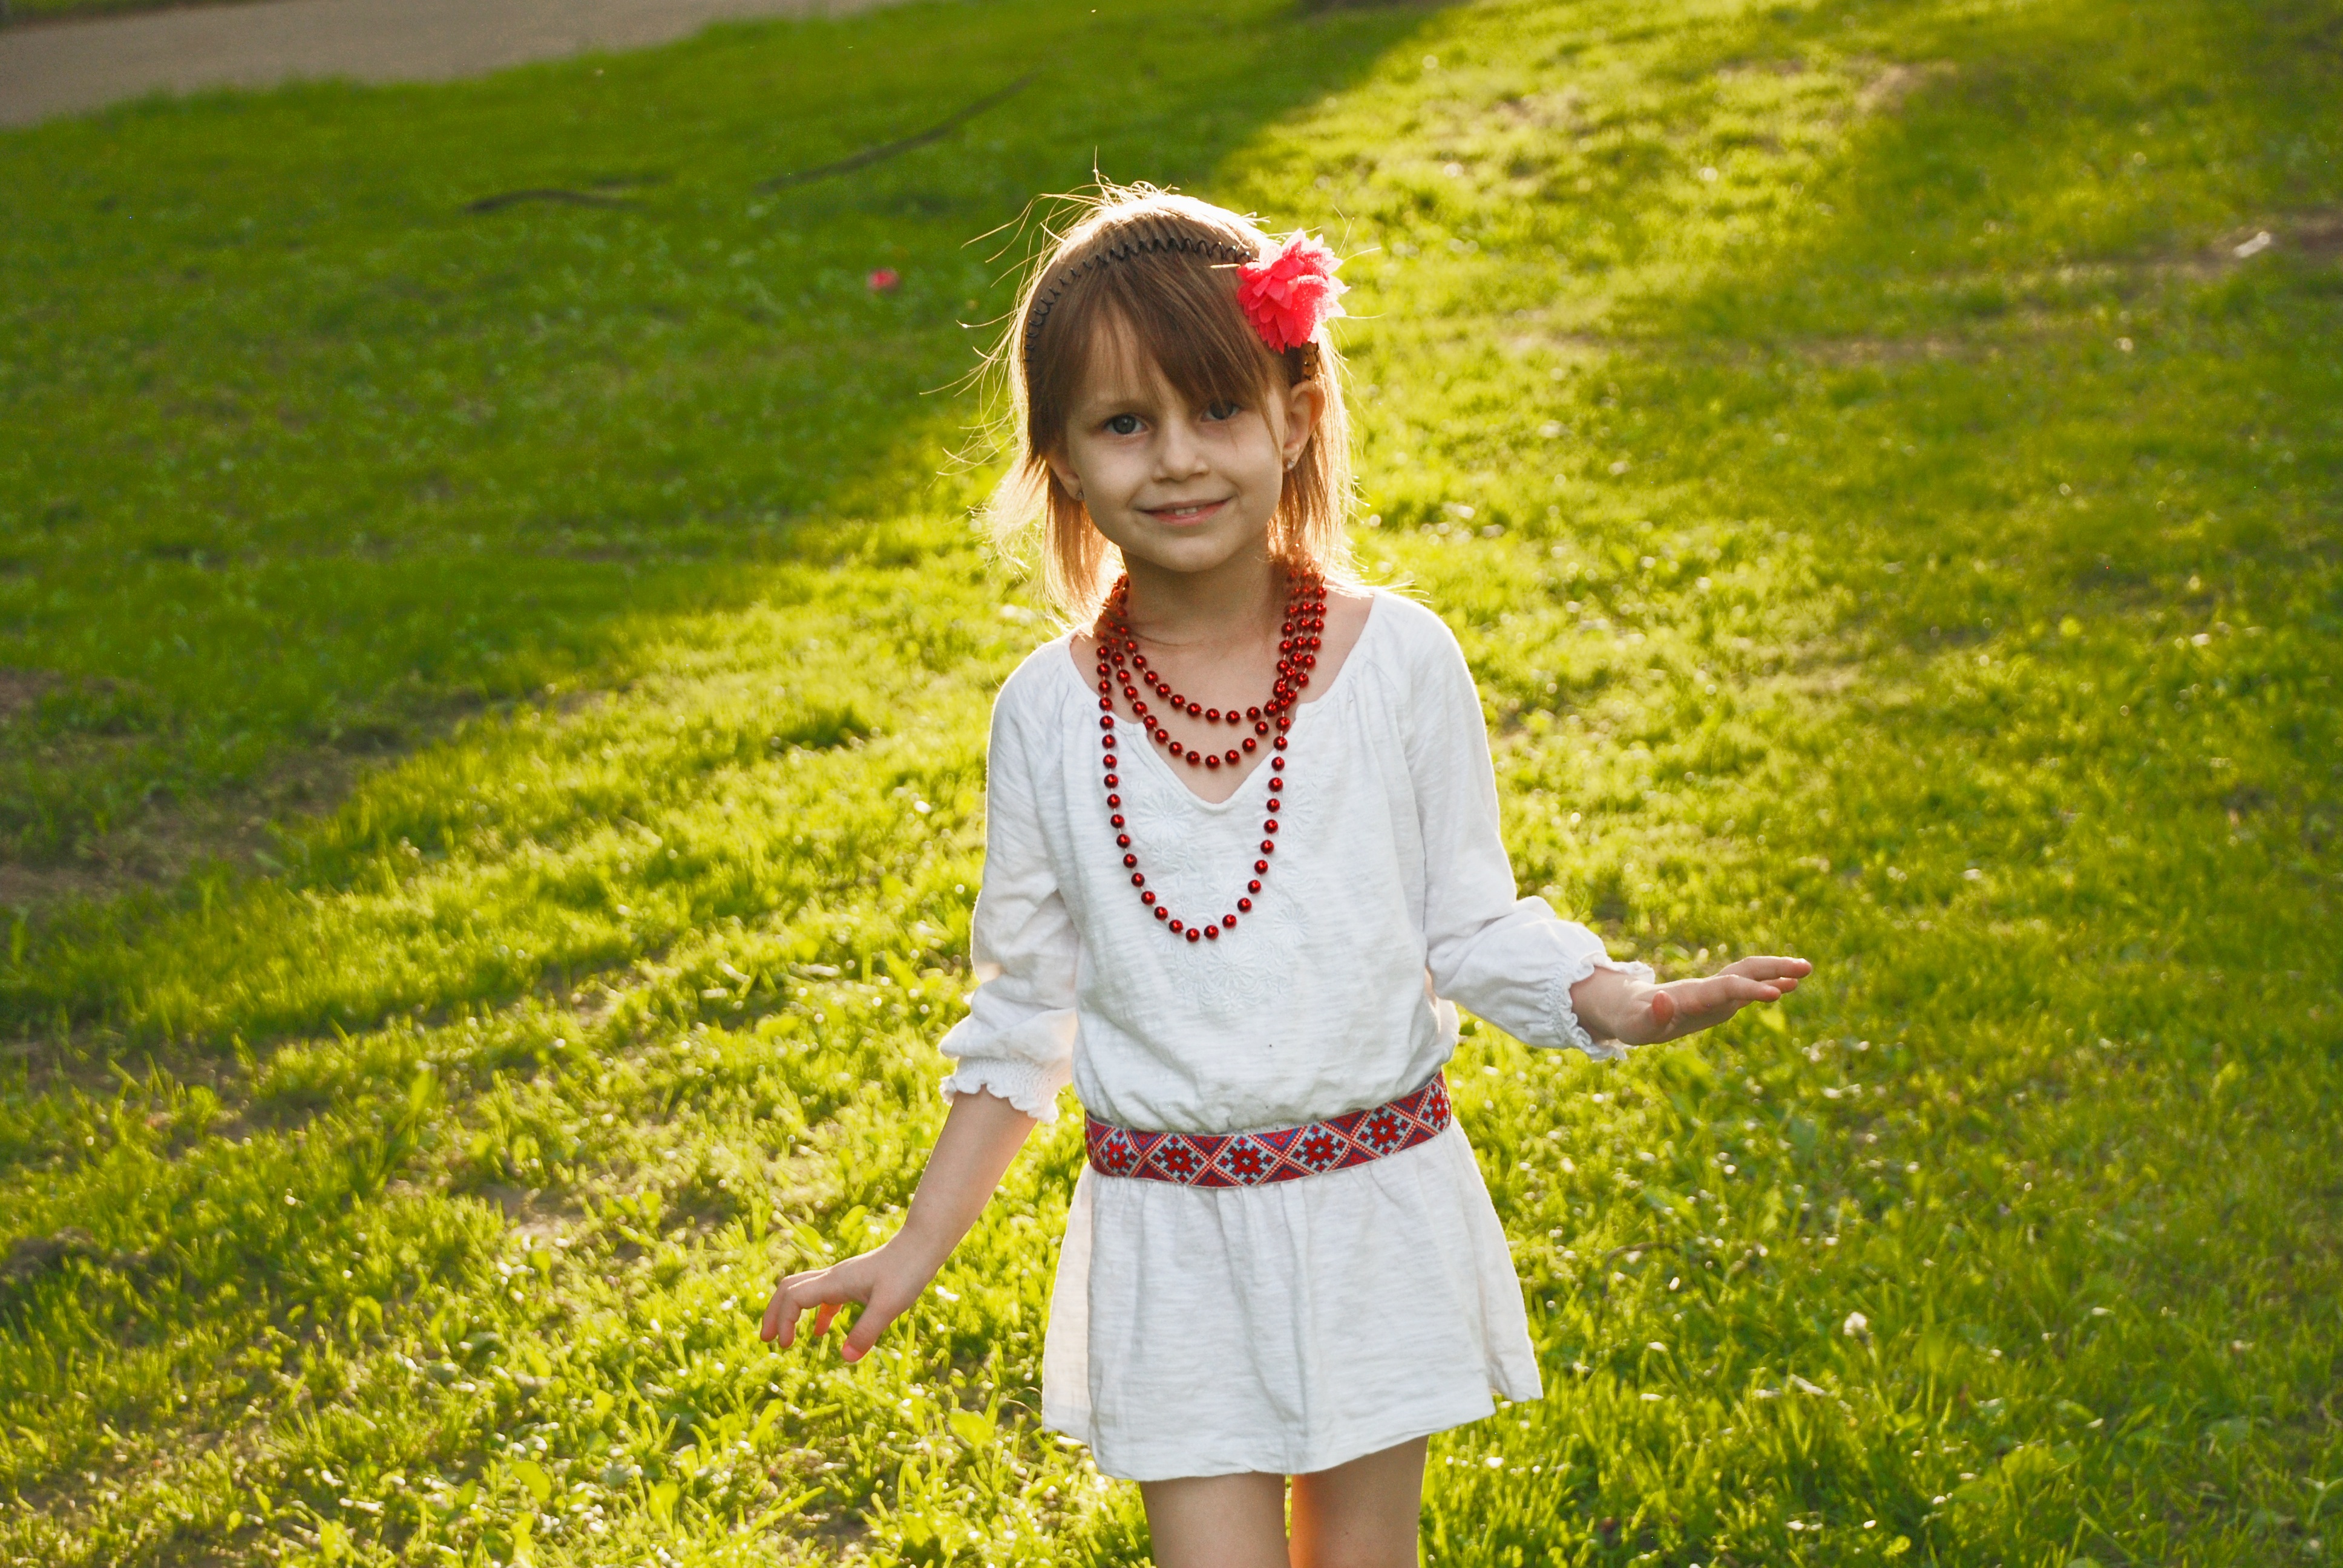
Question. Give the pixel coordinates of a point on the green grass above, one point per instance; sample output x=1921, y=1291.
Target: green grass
x=1913, y=547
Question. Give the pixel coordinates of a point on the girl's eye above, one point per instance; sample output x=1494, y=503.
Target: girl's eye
x=1123, y=425
x=1222, y=411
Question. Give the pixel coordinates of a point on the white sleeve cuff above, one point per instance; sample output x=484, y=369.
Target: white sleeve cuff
x=1575, y=1034
x=1031, y=1087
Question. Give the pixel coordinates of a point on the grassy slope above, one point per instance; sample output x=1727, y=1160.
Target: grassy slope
x=1912, y=546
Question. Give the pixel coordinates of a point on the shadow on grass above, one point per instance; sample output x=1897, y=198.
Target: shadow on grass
x=329, y=462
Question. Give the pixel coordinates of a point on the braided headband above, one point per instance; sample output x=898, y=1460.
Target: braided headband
x=1285, y=298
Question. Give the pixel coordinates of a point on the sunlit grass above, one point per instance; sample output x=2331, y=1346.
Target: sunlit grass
x=1912, y=546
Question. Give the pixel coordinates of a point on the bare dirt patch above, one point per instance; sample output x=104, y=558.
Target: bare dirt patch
x=20, y=688
x=1887, y=92
x=241, y=827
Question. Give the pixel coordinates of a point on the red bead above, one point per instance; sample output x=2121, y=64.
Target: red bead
x=1213, y=761
x=1128, y=861
x=1194, y=708
x=1193, y=933
x=1246, y=904
x=1122, y=840
x=1260, y=866
x=1138, y=880
x=1229, y=758
x=1195, y=758
x=1252, y=713
x=1115, y=821
x=1106, y=705
x=1161, y=913
x=1270, y=825
x=1211, y=932
x=1277, y=764
x=1112, y=800
x=1251, y=887
x=1230, y=921
x=1211, y=716
x=1106, y=721
x=1249, y=743
x=1280, y=742
x=1259, y=729
x=1147, y=897
x=1177, y=926
x=1267, y=846
x=1274, y=804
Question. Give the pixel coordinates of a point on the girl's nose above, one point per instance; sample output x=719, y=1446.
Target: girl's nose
x=1178, y=455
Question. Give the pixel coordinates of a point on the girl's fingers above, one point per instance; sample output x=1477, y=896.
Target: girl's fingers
x=822, y=1292
x=1770, y=967
x=865, y=1333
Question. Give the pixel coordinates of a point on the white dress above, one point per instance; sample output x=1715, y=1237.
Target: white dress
x=1295, y=1325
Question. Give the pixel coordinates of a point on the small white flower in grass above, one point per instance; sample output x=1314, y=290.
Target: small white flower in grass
x=1856, y=1326
x=2254, y=246
x=1496, y=1461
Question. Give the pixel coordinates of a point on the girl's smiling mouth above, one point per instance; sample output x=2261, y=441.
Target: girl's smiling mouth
x=1186, y=511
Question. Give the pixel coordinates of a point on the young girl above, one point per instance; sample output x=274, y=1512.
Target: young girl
x=1241, y=858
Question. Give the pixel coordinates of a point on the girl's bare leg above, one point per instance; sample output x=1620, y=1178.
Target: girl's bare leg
x=1362, y=1514
x=1217, y=1521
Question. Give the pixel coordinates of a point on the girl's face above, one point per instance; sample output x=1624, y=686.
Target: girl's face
x=1185, y=489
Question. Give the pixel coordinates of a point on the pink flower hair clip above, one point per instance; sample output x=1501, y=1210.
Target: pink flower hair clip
x=1293, y=294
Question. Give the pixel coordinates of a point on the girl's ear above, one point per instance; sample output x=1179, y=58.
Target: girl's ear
x=1063, y=472
x=1305, y=405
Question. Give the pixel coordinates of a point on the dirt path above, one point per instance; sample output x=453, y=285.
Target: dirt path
x=66, y=67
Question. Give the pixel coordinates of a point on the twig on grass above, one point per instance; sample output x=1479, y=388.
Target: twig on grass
x=502, y=199
x=886, y=150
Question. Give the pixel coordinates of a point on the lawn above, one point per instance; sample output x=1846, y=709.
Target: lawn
x=491, y=716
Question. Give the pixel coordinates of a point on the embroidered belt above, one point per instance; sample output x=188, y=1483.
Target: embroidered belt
x=1284, y=1154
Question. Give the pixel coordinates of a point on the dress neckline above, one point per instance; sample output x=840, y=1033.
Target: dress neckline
x=1215, y=808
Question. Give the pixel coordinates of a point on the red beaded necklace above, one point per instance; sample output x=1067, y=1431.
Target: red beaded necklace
x=1118, y=656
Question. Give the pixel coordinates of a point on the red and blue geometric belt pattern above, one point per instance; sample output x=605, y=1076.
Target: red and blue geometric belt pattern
x=1285, y=1154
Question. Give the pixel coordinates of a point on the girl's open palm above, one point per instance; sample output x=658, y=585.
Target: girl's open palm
x=1637, y=1012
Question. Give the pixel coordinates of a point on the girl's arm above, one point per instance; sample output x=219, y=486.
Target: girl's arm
x=1544, y=981
x=981, y=1135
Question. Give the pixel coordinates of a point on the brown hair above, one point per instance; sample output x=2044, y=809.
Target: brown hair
x=1159, y=271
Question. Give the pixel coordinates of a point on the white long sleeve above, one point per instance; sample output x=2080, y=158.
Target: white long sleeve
x=1017, y=1039
x=1510, y=960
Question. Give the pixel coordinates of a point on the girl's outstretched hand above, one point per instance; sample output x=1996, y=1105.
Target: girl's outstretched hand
x=1636, y=1013
x=884, y=1282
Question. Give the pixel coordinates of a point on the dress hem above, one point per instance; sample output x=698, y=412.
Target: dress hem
x=1467, y=1411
